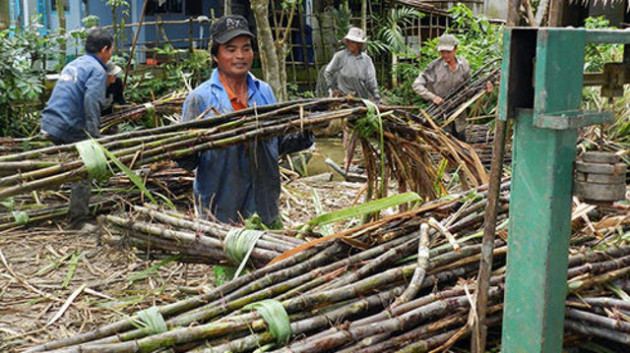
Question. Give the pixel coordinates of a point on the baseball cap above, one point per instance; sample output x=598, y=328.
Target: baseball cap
x=447, y=42
x=228, y=27
x=113, y=69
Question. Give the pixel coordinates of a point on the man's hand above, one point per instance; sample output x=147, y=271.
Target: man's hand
x=438, y=100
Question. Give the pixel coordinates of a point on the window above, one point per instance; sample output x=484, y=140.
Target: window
x=193, y=8
x=53, y=5
x=164, y=6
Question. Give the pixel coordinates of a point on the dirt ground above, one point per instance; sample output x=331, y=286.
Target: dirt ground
x=56, y=282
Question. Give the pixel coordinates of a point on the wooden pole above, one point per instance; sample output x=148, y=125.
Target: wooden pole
x=135, y=40
x=480, y=329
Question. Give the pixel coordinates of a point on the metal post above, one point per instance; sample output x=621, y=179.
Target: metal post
x=540, y=206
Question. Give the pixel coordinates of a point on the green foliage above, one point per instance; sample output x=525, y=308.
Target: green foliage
x=21, y=80
x=599, y=54
x=168, y=77
x=389, y=36
x=254, y=222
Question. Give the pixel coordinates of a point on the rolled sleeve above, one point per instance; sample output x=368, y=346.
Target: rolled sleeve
x=420, y=86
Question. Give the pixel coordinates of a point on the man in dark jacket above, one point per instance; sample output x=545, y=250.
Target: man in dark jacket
x=237, y=181
x=73, y=112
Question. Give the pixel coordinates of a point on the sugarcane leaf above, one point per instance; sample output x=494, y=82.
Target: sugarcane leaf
x=319, y=210
x=93, y=156
x=72, y=267
x=53, y=265
x=366, y=208
x=7, y=203
x=276, y=318
x=618, y=291
x=223, y=274
x=151, y=321
x=128, y=172
x=153, y=269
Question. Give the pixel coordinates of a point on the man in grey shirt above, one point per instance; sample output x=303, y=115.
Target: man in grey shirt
x=441, y=77
x=351, y=71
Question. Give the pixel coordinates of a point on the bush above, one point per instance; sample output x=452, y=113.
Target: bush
x=21, y=81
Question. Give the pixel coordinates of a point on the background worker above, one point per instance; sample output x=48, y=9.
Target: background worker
x=351, y=72
x=236, y=182
x=73, y=112
x=441, y=77
x=115, y=89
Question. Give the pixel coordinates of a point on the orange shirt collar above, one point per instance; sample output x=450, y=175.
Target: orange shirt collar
x=236, y=103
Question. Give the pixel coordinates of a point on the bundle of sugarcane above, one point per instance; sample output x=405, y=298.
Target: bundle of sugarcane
x=329, y=296
x=49, y=167
x=165, y=105
x=173, y=183
x=415, y=152
x=198, y=240
x=54, y=165
x=467, y=93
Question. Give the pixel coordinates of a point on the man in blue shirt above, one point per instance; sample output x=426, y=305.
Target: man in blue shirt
x=73, y=112
x=236, y=182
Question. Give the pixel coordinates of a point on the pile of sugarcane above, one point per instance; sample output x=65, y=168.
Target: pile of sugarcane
x=27, y=210
x=197, y=240
x=362, y=290
x=52, y=166
x=166, y=105
x=465, y=94
x=481, y=138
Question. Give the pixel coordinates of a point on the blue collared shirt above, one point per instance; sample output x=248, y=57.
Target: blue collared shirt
x=74, y=108
x=243, y=179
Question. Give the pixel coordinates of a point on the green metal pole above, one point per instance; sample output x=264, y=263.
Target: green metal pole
x=540, y=207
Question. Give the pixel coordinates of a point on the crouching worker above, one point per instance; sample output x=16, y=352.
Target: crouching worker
x=236, y=182
x=73, y=112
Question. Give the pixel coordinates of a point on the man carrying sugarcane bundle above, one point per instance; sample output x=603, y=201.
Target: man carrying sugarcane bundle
x=73, y=112
x=238, y=181
x=441, y=77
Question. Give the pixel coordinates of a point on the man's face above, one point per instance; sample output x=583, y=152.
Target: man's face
x=111, y=79
x=448, y=55
x=235, y=57
x=353, y=47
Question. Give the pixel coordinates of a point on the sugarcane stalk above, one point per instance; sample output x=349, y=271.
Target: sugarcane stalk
x=421, y=268
x=579, y=327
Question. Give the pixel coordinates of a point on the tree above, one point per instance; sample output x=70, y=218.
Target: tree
x=273, y=52
x=4, y=14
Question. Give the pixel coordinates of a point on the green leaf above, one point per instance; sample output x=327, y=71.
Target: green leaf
x=151, y=321
x=128, y=172
x=72, y=267
x=276, y=318
x=223, y=274
x=153, y=268
x=366, y=208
